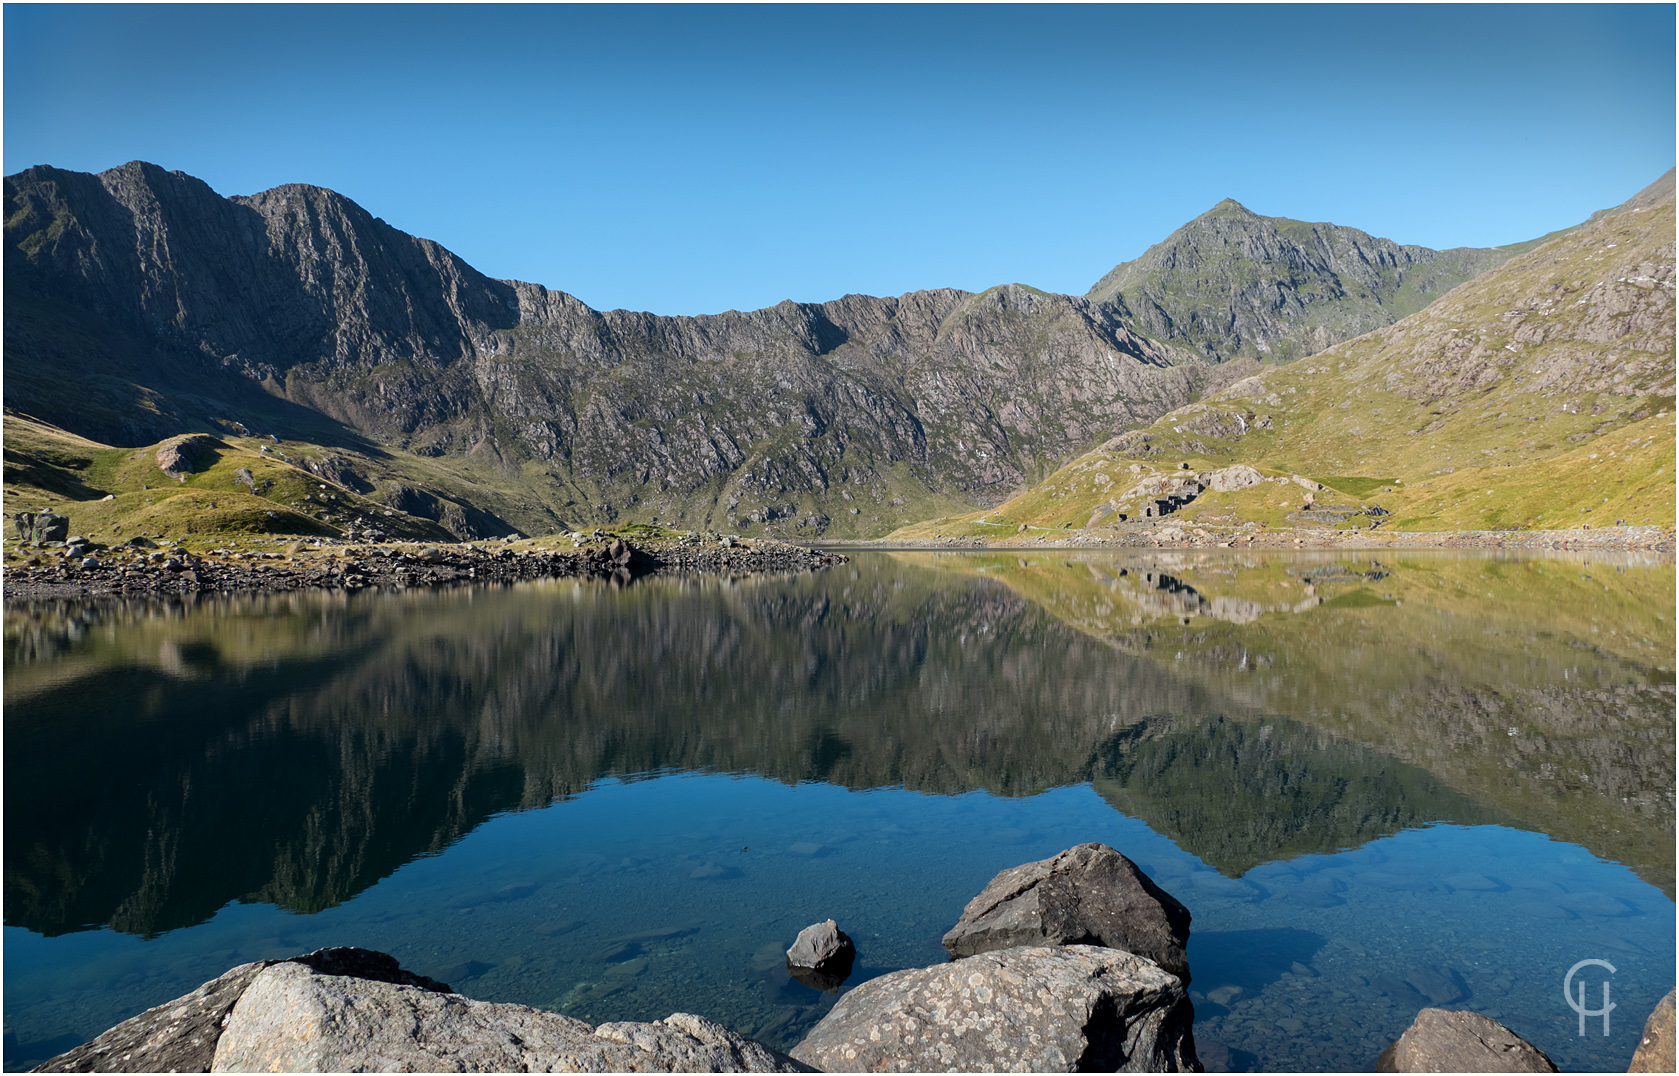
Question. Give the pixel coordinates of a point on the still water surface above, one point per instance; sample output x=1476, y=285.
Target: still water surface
x=1377, y=783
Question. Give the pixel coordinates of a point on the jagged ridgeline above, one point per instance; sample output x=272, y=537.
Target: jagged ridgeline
x=140, y=305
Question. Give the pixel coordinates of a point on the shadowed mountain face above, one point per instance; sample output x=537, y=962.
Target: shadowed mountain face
x=1232, y=283
x=384, y=727
x=139, y=304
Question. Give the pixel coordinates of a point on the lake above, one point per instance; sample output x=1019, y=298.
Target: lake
x=1379, y=781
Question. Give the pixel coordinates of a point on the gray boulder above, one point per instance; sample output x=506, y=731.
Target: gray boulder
x=820, y=944
x=356, y=1010
x=39, y=527
x=295, y=1019
x=1442, y=1041
x=177, y=1036
x=1087, y=895
x=1076, y=1008
x=1235, y=477
x=1655, y=1046
x=821, y=956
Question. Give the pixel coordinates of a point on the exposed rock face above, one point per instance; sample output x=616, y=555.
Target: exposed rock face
x=355, y=1010
x=296, y=300
x=1231, y=479
x=1655, y=1046
x=39, y=527
x=1441, y=1041
x=1233, y=283
x=1078, y=1008
x=1087, y=895
x=180, y=456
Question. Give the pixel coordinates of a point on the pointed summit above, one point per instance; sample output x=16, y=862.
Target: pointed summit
x=1232, y=283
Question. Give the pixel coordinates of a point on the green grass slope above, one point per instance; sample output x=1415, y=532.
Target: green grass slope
x=1537, y=396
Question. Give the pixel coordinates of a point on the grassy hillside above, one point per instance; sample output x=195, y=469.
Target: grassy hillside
x=113, y=494
x=1538, y=396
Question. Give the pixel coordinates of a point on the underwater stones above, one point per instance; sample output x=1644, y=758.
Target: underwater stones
x=821, y=956
x=1655, y=1046
x=1038, y=1009
x=1441, y=1041
x=1087, y=895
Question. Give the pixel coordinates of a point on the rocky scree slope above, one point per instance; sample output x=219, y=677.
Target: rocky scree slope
x=1232, y=283
x=141, y=304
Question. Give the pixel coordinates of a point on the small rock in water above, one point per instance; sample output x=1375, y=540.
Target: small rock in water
x=1441, y=1041
x=822, y=956
x=804, y=848
x=1224, y=995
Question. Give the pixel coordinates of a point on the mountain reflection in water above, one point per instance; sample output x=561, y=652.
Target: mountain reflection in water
x=164, y=759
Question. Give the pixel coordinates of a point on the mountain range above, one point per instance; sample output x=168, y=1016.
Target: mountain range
x=140, y=305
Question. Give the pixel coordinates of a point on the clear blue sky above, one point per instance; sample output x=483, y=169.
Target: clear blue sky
x=693, y=159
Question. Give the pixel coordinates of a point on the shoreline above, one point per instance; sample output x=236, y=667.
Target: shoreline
x=1608, y=539
x=351, y=567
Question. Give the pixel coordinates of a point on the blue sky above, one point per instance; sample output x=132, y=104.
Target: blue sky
x=693, y=159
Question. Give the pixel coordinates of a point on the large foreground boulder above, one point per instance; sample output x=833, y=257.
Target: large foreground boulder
x=1077, y=1008
x=1655, y=1046
x=1442, y=1041
x=1087, y=895
x=354, y=1010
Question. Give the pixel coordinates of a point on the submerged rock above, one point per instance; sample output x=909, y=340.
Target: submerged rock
x=1087, y=895
x=356, y=1010
x=1076, y=1008
x=1441, y=1041
x=1655, y=1046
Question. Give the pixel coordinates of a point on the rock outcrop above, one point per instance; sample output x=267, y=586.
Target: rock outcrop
x=34, y=528
x=1078, y=1008
x=355, y=1010
x=1087, y=895
x=1655, y=1046
x=178, y=457
x=1442, y=1041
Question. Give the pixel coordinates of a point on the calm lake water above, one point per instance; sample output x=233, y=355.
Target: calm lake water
x=1378, y=781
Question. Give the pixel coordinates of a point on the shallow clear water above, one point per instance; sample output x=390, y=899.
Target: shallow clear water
x=1377, y=785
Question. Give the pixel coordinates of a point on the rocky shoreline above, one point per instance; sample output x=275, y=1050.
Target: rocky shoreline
x=1061, y=965
x=1144, y=536
x=79, y=569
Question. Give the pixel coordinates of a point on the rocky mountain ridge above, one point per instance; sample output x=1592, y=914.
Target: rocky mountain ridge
x=1232, y=283
x=297, y=308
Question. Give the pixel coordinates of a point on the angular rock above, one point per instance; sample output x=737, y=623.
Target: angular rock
x=822, y=956
x=820, y=944
x=1076, y=1008
x=41, y=527
x=295, y=1019
x=1655, y=1046
x=1442, y=1041
x=177, y=1036
x=1087, y=895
